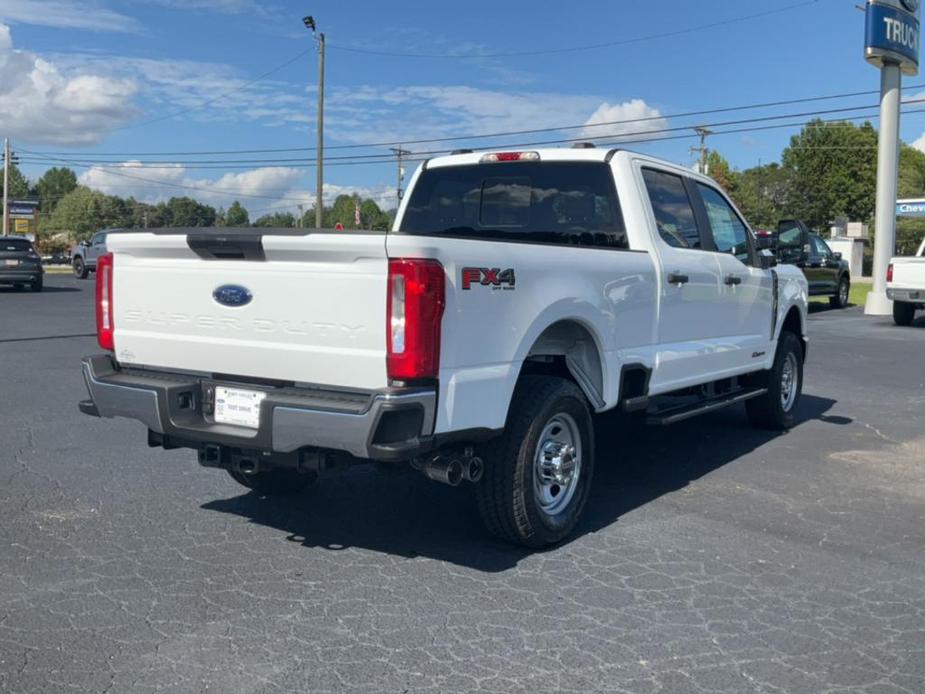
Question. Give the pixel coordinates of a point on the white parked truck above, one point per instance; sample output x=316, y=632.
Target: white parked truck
x=518, y=294
x=905, y=285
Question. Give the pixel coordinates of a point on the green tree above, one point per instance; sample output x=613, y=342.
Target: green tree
x=186, y=212
x=832, y=171
x=343, y=211
x=373, y=217
x=54, y=184
x=83, y=212
x=19, y=184
x=761, y=194
x=719, y=170
x=276, y=220
x=236, y=216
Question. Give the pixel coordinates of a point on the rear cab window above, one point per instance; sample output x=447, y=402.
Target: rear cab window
x=562, y=203
x=674, y=212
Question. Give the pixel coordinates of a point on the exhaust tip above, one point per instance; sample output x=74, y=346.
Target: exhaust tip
x=475, y=467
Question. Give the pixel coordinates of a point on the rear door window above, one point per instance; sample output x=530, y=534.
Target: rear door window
x=730, y=235
x=674, y=214
x=567, y=203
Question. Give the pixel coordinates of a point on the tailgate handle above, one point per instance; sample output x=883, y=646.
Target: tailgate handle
x=212, y=246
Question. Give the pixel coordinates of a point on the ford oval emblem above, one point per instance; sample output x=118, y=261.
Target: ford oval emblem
x=232, y=295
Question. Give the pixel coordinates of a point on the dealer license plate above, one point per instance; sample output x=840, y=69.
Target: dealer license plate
x=11, y=263
x=238, y=407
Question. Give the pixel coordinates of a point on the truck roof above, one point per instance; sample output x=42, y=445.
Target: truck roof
x=575, y=154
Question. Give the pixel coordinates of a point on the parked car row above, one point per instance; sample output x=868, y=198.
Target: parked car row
x=827, y=273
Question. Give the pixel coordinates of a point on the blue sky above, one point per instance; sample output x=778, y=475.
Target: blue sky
x=85, y=78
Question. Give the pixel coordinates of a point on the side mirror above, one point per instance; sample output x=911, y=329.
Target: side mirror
x=765, y=242
x=766, y=259
x=837, y=256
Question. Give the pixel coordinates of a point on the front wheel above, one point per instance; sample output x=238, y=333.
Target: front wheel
x=274, y=482
x=80, y=269
x=840, y=300
x=903, y=313
x=538, y=474
x=775, y=408
x=37, y=285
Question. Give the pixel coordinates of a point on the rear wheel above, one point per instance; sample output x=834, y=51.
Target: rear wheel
x=775, y=409
x=840, y=300
x=274, y=482
x=80, y=269
x=903, y=312
x=538, y=474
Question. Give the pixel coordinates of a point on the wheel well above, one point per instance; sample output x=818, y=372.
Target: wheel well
x=794, y=324
x=568, y=349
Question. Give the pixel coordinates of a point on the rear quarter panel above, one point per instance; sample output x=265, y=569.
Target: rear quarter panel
x=487, y=331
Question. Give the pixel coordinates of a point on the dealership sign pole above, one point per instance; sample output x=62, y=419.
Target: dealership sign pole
x=891, y=44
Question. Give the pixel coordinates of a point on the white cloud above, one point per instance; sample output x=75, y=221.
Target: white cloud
x=69, y=14
x=622, y=120
x=262, y=190
x=919, y=144
x=225, y=6
x=41, y=105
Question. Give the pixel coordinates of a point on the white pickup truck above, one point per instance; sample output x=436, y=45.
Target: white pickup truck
x=518, y=294
x=905, y=285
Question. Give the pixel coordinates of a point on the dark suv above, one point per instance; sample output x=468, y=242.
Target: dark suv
x=826, y=272
x=20, y=264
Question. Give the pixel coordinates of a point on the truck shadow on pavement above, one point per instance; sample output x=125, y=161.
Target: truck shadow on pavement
x=408, y=516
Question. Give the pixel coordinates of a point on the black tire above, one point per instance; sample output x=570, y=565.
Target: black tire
x=37, y=285
x=274, y=482
x=80, y=269
x=903, y=313
x=769, y=411
x=506, y=497
x=840, y=300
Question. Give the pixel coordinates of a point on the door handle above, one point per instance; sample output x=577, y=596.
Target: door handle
x=677, y=278
x=733, y=280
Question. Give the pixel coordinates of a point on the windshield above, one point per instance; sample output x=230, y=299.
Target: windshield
x=540, y=202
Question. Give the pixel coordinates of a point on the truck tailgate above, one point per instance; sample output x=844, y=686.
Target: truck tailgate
x=313, y=309
x=908, y=273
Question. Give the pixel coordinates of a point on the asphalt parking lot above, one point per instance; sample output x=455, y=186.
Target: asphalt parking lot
x=713, y=558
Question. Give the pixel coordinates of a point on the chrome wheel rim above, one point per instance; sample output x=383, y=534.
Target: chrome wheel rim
x=843, y=293
x=789, y=381
x=557, y=464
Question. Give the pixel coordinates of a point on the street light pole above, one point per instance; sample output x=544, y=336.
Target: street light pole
x=6, y=186
x=319, y=166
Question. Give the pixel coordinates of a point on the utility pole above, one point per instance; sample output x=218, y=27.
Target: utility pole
x=319, y=185
x=703, y=133
x=301, y=214
x=6, y=186
x=399, y=153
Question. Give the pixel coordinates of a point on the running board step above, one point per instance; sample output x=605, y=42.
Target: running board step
x=678, y=414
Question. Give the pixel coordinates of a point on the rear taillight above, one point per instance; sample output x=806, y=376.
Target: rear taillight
x=104, y=325
x=417, y=296
x=889, y=273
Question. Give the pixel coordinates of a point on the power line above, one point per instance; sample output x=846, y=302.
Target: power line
x=476, y=136
x=576, y=49
x=390, y=158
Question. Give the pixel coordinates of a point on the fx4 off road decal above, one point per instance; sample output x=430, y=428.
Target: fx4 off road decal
x=488, y=277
